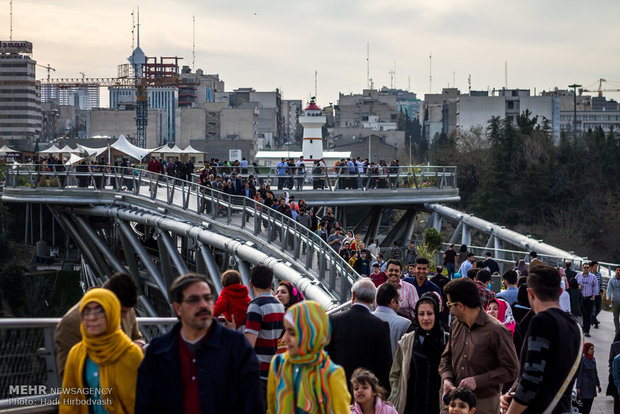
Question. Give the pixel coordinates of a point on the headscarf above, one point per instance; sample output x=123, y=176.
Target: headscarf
x=504, y=314
x=104, y=350
x=433, y=341
x=313, y=331
x=294, y=294
x=587, y=346
x=521, y=269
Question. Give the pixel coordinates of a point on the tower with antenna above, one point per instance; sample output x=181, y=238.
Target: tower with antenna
x=194, y=44
x=368, y=80
x=430, y=73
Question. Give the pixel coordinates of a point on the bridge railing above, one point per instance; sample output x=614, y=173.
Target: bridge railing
x=344, y=178
x=310, y=254
x=28, y=357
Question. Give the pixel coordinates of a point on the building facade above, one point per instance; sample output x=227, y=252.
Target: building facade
x=20, y=100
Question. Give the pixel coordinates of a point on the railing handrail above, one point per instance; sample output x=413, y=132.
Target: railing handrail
x=153, y=179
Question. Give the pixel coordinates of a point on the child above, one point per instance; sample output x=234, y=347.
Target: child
x=368, y=394
x=234, y=300
x=461, y=401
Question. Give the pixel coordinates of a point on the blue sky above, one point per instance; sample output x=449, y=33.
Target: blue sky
x=269, y=44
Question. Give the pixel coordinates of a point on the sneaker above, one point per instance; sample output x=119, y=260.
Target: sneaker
x=596, y=325
x=587, y=334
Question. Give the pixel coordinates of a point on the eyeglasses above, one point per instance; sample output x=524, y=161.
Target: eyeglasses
x=96, y=313
x=450, y=304
x=194, y=299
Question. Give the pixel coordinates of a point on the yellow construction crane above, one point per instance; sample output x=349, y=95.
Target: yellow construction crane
x=48, y=67
x=600, y=89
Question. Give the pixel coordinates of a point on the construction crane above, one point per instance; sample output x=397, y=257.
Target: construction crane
x=48, y=67
x=600, y=89
x=141, y=84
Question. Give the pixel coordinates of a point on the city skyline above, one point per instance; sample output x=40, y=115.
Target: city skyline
x=276, y=44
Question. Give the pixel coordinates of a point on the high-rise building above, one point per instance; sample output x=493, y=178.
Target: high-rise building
x=20, y=102
x=84, y=97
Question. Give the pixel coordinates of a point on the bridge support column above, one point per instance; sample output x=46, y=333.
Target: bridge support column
x=410, y=223
x=211, y=265
x=466, y=235
x=92, y=246
x=103, y=248
x=144, y=257
x=375, y=221
x=173, y=252
x=397, y=233
x=457, y=231
x=244, y=270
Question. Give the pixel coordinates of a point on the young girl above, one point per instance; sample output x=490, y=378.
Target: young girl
x=368, y=394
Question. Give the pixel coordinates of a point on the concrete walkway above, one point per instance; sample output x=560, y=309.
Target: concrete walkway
x=602, y=338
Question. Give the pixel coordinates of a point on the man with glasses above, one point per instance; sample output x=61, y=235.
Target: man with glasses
x=199, y=366
x=589, y=289
x=480, y=353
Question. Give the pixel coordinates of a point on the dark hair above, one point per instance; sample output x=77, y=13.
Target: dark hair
x=522, y=280
x=421, y=260
x=463, y=248
x=294, y=294
x=522, y=298
x=385, y=293
x=394, y=262
x=510, y=276
x=463, y=290
x=183, y=282
x=471, y=273
x=470, y=255
x=230, y=277
x=364, y=376
x=261, y=276
x=593, y=262
x=125, y=289
x=488, y=254
x=574, y=284
x=533, y=254
x=545, y=282
x=483, y=275
x=464, y=394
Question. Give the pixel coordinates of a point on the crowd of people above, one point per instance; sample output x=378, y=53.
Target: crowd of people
x=411, y=342
x=349, y=173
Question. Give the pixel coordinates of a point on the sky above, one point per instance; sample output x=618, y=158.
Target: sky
x=269, y=44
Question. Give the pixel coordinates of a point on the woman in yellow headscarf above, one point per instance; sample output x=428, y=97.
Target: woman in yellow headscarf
x=102, y=369
x=304, y=379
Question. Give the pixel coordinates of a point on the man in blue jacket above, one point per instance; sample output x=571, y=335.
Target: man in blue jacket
x=199, y=366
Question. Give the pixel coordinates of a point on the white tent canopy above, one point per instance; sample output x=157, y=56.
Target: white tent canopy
x=74, y=159
x=128, y=148
x=165, y=149
x=68, y=149
x=90, y=151
x=5, y=149
x=191, y=150
x=51, y=150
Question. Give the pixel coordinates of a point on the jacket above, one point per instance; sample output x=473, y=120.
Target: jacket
x=227, y=370
x=360, y=339
x=233, y=300
x=399, y=374
x=587, y=378
x=381, y=407
x=398, y=325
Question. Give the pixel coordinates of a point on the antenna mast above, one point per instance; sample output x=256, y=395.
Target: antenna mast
x=392, y=75
x=469, y=83
x=409, y=83
x=506, y=74
x=315, y=83
x=11, y=21
x=368, y=64
x=430, y=73
x=194, y=44
x=133, y=31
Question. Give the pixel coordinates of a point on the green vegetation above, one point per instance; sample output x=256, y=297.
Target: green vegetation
x=514, y=174
x=432, y=239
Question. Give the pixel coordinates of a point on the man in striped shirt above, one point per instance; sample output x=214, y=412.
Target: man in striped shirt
x=265, y=318
x=408, y=293
x=589, y=289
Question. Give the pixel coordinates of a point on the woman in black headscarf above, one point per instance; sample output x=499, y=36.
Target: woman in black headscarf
x=414, y=377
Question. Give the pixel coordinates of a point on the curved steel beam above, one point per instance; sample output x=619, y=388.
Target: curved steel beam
x=312, y=289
